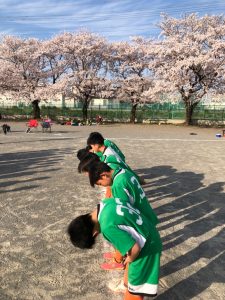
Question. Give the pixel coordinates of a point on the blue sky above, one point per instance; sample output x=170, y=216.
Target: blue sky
x=115, y=19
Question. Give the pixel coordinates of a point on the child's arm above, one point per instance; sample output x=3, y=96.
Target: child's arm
x=132, y=253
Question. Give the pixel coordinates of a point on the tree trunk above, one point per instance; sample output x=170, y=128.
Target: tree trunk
x=85, y=110
x=189, y=111
x=63, y=101
x=36, y=109
x=133, y=113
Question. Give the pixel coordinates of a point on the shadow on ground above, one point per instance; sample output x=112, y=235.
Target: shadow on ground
x=26, y=167
x=182, y=197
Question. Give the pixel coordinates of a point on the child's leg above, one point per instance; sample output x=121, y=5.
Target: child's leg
x=129, y=296
x=125, y=277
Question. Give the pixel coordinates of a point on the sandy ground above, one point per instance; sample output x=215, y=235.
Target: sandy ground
x=41, y=192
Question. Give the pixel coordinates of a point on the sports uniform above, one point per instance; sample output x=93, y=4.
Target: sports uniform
x=123, y=226
x=126, y=187
x=112, y=145
x=114, y=161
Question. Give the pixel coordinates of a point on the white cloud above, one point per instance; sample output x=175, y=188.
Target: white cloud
x=116, y=19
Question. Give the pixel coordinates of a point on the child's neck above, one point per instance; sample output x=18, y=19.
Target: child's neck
x=102, y=148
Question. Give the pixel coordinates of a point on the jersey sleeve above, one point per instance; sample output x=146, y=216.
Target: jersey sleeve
x=111, y=144
x=119, y=238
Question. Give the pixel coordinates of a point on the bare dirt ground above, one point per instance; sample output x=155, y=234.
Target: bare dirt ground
x=41, y=192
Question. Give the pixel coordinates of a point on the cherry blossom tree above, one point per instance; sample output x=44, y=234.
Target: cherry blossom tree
x=54, y=60
x=25, y=76
x=85, y=76
x=190, y=59
x=130, y=65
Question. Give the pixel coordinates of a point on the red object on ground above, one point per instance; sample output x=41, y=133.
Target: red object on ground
x=112, y=266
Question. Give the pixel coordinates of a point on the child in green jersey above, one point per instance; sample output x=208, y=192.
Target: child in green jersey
x=99, y=144
x=129, y=231
x=124, y=185
x=109, y=153
x=86, y=159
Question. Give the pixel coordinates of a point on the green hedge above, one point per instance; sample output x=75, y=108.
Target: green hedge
x=119, y=114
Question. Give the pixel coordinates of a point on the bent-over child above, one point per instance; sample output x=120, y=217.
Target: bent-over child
x=129, y=231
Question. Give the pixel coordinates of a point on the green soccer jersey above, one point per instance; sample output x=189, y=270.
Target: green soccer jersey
x=127, y=187
x=123, y=226
x=116, y=151
x=112, y=145
x=112, y=159
x=99, y=153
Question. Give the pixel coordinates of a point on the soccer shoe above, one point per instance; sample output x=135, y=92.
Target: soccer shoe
x=112, y=266
x=117, y=286
x=108, y=255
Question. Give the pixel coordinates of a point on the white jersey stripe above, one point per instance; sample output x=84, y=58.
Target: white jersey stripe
x=135, y=235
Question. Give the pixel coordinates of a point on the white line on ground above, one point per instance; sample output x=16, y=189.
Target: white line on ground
x=182, y=140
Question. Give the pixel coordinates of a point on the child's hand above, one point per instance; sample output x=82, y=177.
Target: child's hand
x=128, y=260
x=132, y=254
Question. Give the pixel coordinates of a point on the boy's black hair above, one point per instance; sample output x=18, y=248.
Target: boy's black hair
x=87, y=161
x=83, y=152
x=95, y=138
x=95, y=171
x=80, y=231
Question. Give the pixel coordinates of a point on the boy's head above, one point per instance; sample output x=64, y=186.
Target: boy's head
x=83, y=152
x=87, y=161
x=100, y=174
x=95, y=140
x=81, y=232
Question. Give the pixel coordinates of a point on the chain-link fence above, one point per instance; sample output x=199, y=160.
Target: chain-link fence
x=166, y=111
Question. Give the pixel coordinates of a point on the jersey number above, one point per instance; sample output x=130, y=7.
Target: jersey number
x=131, y=210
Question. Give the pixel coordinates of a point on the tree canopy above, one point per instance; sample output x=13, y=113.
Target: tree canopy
x=187, y=59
